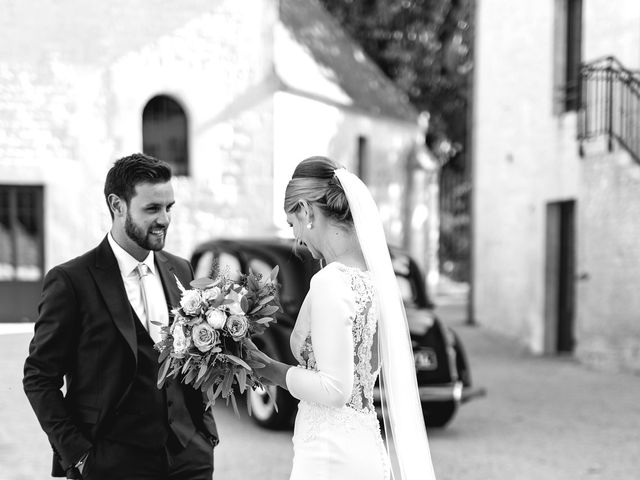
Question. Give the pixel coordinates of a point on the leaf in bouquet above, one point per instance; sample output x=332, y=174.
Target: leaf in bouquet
x=211, y=397
x=244, y=304
x=227, y=383
x=175, y=371
x=264, y=320
x=162, y=372
x=185, y=367
x=248, y=407
x=228, y=301
x=202, y=283
x=252, y=283
x=164, y=353
x=274, y=273
x=218, y=390
x=218, y=301
x=269, y=310
x=190, y=376
x=201, y=371
x=238, y=361
x=207, y=381
x=234, y=404
x=255, y=309
x=266, y=300
x=241, y=375
x=180, y=286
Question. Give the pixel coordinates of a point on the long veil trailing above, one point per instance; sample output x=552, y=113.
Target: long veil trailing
x=404, y=423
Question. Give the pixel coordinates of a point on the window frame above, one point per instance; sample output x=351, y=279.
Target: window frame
x=38, y=213
x=179, y=169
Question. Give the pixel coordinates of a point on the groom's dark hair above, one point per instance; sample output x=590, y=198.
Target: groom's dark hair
x=127, y=172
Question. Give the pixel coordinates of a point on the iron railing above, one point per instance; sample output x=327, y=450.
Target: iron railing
x=610, y=105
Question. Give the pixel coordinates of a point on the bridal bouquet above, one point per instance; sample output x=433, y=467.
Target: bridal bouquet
x=204, y=344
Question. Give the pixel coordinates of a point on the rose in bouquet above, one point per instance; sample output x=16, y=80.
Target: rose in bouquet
x=205, y=344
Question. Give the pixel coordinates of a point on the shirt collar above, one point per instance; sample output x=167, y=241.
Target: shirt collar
x=126, y=262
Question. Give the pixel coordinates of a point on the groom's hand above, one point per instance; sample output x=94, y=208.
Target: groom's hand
x=75, y=471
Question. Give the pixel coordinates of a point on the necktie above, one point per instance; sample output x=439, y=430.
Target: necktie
x=151, y=312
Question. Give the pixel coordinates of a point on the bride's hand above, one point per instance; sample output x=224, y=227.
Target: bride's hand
x=268, y=370
x=255, y=355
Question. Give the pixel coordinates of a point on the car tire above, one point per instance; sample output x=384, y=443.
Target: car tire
x=439, y=414
x=271, y=407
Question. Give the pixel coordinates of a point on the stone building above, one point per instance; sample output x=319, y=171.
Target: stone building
x=557, y=177
x=232, y=93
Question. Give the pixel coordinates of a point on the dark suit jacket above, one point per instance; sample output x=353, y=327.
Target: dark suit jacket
x=85, y=333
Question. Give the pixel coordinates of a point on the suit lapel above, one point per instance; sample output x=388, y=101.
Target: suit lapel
x=109, y=281
x=168, y=276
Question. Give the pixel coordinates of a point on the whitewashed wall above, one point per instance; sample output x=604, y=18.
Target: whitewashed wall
x=526, y=155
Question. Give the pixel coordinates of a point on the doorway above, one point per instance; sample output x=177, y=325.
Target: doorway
x=560, y=277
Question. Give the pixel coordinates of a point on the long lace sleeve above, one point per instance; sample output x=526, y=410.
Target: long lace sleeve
x=332, y=309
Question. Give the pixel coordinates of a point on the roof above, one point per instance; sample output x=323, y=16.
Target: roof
x=361, y=83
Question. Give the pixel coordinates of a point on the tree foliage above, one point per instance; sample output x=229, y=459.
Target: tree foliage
x=425, y=47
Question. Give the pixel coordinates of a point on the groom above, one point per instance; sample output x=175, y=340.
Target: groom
x=98, y=320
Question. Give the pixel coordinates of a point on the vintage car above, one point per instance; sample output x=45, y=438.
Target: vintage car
x=442, y=368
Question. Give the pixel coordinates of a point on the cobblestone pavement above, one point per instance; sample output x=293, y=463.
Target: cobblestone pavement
x=543, y=418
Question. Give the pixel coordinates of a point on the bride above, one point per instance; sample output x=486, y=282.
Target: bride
x=351, y=327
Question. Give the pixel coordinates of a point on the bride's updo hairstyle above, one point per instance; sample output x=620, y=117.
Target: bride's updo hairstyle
x=314, y=180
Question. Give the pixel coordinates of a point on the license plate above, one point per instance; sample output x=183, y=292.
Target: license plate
x=425, y=359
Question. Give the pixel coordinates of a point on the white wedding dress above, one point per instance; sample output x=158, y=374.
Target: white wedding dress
x=337, y=434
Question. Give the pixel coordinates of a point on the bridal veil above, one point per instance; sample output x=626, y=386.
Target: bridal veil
x=404, y=423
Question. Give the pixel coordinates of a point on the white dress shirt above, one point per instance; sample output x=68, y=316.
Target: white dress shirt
x=132, y=285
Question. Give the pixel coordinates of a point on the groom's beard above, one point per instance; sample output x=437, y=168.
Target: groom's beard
x=145, y=239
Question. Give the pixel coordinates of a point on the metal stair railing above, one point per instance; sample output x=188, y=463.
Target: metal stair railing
x=610, y=105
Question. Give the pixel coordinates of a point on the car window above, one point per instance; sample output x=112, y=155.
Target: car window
x=203, y=267
x=230, y=266
x=260, y=267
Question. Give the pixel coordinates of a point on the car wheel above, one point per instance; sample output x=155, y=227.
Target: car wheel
x=438, y=414
x=271, y=406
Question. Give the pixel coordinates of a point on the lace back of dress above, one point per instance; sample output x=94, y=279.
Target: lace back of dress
x=365, y=338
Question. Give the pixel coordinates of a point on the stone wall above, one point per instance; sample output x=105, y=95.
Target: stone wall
x=72, y=94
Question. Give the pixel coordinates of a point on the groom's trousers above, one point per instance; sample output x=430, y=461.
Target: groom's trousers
x=111, y=460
